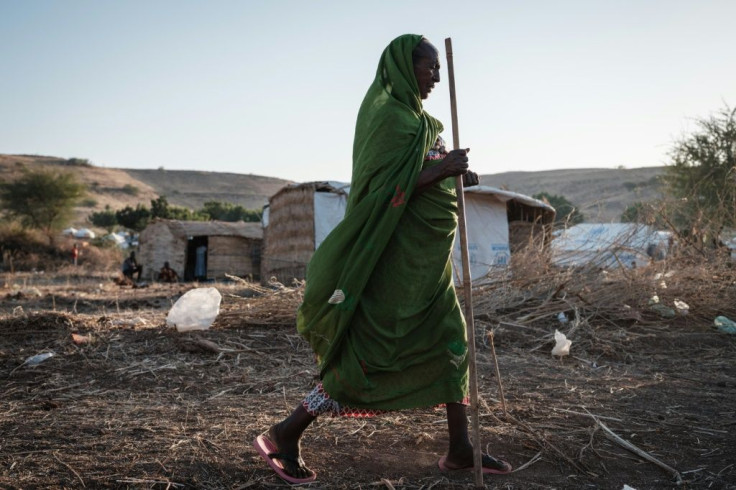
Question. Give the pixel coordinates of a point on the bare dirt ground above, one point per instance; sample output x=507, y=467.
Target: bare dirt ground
x=138, y=405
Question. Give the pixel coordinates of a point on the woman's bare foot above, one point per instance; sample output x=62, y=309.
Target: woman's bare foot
x=460, y=454
x=462, y=458
x=289, y=452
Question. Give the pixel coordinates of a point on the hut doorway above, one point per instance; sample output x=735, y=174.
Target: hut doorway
x=196, y=265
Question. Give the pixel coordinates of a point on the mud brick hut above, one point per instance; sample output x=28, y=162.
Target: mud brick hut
x=201, y=250
x=299, y=217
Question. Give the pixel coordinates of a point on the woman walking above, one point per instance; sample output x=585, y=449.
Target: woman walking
x=380, y=309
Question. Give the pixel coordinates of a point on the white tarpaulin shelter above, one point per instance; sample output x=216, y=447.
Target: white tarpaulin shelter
x=117, y=239
x=300, y=216
x=84, y=233
x=487, y=219
x=607, y=245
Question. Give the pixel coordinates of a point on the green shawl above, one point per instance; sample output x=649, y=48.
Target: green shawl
x=380, y=309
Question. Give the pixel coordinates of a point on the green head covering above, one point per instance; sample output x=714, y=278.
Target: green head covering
x=395, y=74
x=393, y=133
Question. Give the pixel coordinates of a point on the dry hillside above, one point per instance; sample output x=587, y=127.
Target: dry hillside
x=106, y=186
x=601, y=194
x=193, y=188
x=125, y=187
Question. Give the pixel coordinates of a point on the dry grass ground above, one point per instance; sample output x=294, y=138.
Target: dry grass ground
x=142, y=406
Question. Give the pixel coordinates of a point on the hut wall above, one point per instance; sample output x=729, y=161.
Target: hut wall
x=289, y=237
x=232, y=255
x=523, y=234
x=529, y=227
x=529, y=243
x=159, y=244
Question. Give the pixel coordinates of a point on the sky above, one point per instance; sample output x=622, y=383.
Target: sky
x=273, y=87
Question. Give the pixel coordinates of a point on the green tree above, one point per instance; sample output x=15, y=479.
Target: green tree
x=42, y=199
x=567, y=213
x=634, y=213
x=133, y=218
x=104, y=219
x=130, y=190
x=225, y=211
x=138, y=218
x=186, y=214
x=649, y=213
x=79, y=162
x=702, y=176
x=160, y=208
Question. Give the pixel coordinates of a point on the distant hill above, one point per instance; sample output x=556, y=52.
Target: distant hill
x=105, y=186
x=127, y=187
x=600, y=194
x=192, y=189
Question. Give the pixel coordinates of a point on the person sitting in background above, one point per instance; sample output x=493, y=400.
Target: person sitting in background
x=130, y=267
x=167, y=274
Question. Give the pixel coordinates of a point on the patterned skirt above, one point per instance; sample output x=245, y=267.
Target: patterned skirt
x=318, y=402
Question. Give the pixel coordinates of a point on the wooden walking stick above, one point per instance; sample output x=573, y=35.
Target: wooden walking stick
x=467, y=286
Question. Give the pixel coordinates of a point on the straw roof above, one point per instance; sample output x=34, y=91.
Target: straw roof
x=316, y=186
x=214, y=228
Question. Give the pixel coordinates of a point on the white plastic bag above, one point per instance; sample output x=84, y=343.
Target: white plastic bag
x=38, y=359
x=562, y=345
x=682, y=307
x=195, y=310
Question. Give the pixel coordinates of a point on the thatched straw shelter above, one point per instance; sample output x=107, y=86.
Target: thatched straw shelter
x=300, y=216
x=201, y=250
x=295, y=221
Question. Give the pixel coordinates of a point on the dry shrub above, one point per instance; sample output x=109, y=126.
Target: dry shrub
x=537, y=292
x=22, y=249
x=95, y=258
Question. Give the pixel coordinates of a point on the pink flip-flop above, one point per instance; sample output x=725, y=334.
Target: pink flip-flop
x=443, y=467
x=269, y=452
